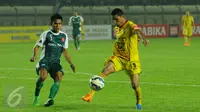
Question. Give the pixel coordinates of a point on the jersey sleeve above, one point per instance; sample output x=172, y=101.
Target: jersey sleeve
x=82, y=20
x=66, y=42
x=133, y=27
x=192, y=19
x=41, y=40
x=183, y=18
x=70, y=21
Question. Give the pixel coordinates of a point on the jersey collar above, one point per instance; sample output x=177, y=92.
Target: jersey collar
x=124, y=23
x=55, y=33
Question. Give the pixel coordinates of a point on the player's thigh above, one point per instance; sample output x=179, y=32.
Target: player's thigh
x=133, y=67
x=56, y=71
x=189, y=32
x=43, y=68
x=76, y=34
x=113, y=64
x=185, y=31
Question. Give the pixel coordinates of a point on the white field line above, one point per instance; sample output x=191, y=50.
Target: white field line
x=84, y=73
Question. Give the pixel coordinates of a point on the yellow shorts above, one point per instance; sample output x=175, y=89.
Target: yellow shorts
x=132, y=67
x=187, y=31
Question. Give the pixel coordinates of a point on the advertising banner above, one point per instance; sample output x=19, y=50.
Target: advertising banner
x=21, y=34
x=196, y=30
x=173, y=30
x=92, y=32
x=154, y=30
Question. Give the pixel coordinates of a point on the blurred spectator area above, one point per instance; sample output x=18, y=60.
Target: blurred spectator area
x=97, y=2
x=39, y=13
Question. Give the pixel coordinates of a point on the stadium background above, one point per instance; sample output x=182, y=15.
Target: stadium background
x=170, y=76
x=164, y=16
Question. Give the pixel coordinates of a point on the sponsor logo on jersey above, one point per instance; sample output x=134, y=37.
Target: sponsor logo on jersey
x=52, y=44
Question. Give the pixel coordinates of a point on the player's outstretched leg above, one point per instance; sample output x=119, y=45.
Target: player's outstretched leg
x=88, y=97
x=109, y=68
x=39, y=85
x=54, y=89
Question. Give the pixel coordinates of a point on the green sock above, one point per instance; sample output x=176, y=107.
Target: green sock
x=78, y=42
x=54, y=89
x=75, y=43
x=39, y=85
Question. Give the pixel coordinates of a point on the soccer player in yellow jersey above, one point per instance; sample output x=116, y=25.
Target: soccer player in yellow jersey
x=125, y=55
x=188, y=23
x=82, y=33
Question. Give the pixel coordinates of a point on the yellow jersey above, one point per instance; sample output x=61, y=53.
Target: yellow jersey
x=187, y=21
x=82, y=29
x=126, y=44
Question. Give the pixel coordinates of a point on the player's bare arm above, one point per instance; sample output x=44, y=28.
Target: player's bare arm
x=141, y=36
x=67, y=57
x=193, y=24
x=35, y=52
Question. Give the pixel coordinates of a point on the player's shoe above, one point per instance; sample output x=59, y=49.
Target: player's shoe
x=36, y=101
x=87, y=98
x=138, y=106
x=49, y=102
x=186, y=44
x=78, y=48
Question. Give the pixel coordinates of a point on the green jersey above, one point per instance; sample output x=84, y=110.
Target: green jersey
x=52, y=45
x=75, y=22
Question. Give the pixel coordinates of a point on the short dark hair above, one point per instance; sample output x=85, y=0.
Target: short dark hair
x=56, y=16
x=117, y=11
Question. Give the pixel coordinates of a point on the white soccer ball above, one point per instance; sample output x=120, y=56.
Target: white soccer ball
x=96, y=83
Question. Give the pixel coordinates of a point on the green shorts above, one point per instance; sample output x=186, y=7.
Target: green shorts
x=76, y=33
x=51, y=67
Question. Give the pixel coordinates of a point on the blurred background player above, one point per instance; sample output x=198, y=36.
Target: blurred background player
x=53, y=42
x=188, y=23
x=82, y=33
x=125, y=55
x=76, y=22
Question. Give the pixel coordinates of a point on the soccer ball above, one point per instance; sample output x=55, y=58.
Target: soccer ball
x=96, y=83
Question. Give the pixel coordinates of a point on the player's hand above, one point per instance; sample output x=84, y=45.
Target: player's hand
x=73, y=68
x=146, y=42
x=33, y=59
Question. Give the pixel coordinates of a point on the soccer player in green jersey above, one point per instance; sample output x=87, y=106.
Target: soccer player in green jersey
x=53, y=42
x=76, y=22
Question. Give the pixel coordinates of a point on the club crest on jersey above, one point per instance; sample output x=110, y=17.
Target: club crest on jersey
x=63, y=39
x=135, y=26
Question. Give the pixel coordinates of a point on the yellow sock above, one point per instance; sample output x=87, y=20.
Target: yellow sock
x=138, y=94
x=83, y=36
x=102, y=75
x=186, y=39
x=92, y=92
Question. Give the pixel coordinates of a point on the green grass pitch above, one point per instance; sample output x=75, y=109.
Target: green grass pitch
x=169, y=81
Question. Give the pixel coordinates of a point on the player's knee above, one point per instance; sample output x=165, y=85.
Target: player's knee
x=108, y=69
x=59, y=76
x=43, y=75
